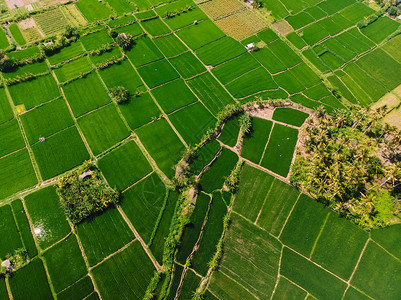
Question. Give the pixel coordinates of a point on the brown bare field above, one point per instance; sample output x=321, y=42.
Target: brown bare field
x=218, y=8
x=283, y=27
x=241, y=25
x=29, y=30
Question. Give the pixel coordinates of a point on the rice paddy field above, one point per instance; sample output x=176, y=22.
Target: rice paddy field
x=187, y=63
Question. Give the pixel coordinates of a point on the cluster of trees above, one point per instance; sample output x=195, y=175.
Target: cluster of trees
x=351, y=162
x=124, y=40
x=120, y=94
x=83, y=196
x=392, y=7
x=17, y=260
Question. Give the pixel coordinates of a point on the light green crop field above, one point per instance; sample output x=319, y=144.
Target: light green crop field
x=206, y=206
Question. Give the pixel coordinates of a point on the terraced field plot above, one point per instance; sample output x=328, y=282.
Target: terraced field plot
x=186, y=64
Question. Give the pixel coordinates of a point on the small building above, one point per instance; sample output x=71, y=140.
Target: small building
x=196, y=22
x=7, y=264
x=42, y=139
x=85, y=175
x=250, y=46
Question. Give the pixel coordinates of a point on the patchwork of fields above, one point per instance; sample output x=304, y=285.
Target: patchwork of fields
x=187, y=63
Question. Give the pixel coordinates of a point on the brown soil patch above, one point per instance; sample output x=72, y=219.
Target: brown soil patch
x=283, y=27
x=394, y=118
x=218, y=8
x=390, y=100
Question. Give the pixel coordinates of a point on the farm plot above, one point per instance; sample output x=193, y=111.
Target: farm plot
x=103, y=128
x=47, y=218
x=290, y=116
x=251, y=83
x=35, y=69
x=184, y=19
x=23, y=226
x=219, y=8
x=124, y=166
x=203, y=156
x=80, y=289
x=255, y=142
x=210, y=92
x=51, y=22
x=46, y=120
x=34, y=92
x=60, y=152
x=112, y=276
x=170, y=45
x=220, y=51
x=24, y=53
x=30, y=30
x=192, y=122
x=122, y=75
x=303, y=227
x=17, y=173
x=210, y=236
x=74, y=15
x=187, y=65
x=216, y=174
x=189, y=284
x=256, y=189
x=387, y=237
x=287, y=290
x=11, y=138
x=96, y=40
x=155, y=27
x=143, y=203
x=162, y=143
x=128, y=19
x=242, y=24
x=23, y=283
x=140, y=110
x=199, y=35
x=133, y=29
x=105, y=57
x=65, y=263
x=143, y=52
x=232, y=69
x=269, y=60
x=94, y=10
x=256, y=272
x=103, y=235
x=81, y=99
x=314, y=279
x=173, y=95
x=11, y=239
x=380, y=29
x=16, y=33
x=4, y=42
x=229, y=134
x=66, y=53
x=193, y=228
x=226, y=288
x=121, y=6
x=157, y=73
x=73, y=69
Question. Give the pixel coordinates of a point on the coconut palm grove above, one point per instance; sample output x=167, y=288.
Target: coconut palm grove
x=200, y=149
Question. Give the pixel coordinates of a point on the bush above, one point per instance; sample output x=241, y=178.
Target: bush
x=83, y=197
x=124, y=40
x=119, y=94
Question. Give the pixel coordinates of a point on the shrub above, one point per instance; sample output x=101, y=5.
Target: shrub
x=119, y=94
x=83, y=196
x=125, y=40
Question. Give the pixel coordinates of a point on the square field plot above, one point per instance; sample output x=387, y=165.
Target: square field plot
x=122, y=74
x=31, y=280
x=155, y=27
x=304, y=225
x=187, y=65
x=315, y=280
x=121, y=7
x=185, y=19
x=124, y=165
x=163, y=145
x=201, y=34
x=192, y=122
x=157, y=73
x=143, y=203
x=46, y=120
x=378, y=273
x=140, y=110
x=105, y=57
x=10, y=238
x=173, y=95
x=242, y=24
x=290, y=116
x=133, y=29
x=280, y=149
x=94, y=10
x=388, y=238
x=339, y=246
x=33, y=68
x=48, y=220
x=257, y=272
x=96, y=40
x=219, y=8
x=210, y=92
x=73, y=69
x=11, y=138
x=65, y=263
x=170, y=45
x=78, y=290
x=287, y=290
x=68, y=52
x=60, y=152
x=17, y=173
x=103, y=128
x=103, y=235
x=144, y=51
x=121, y=273
x=51, y=22
x=83, y=99
x=34, y=92
x=220, y=51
